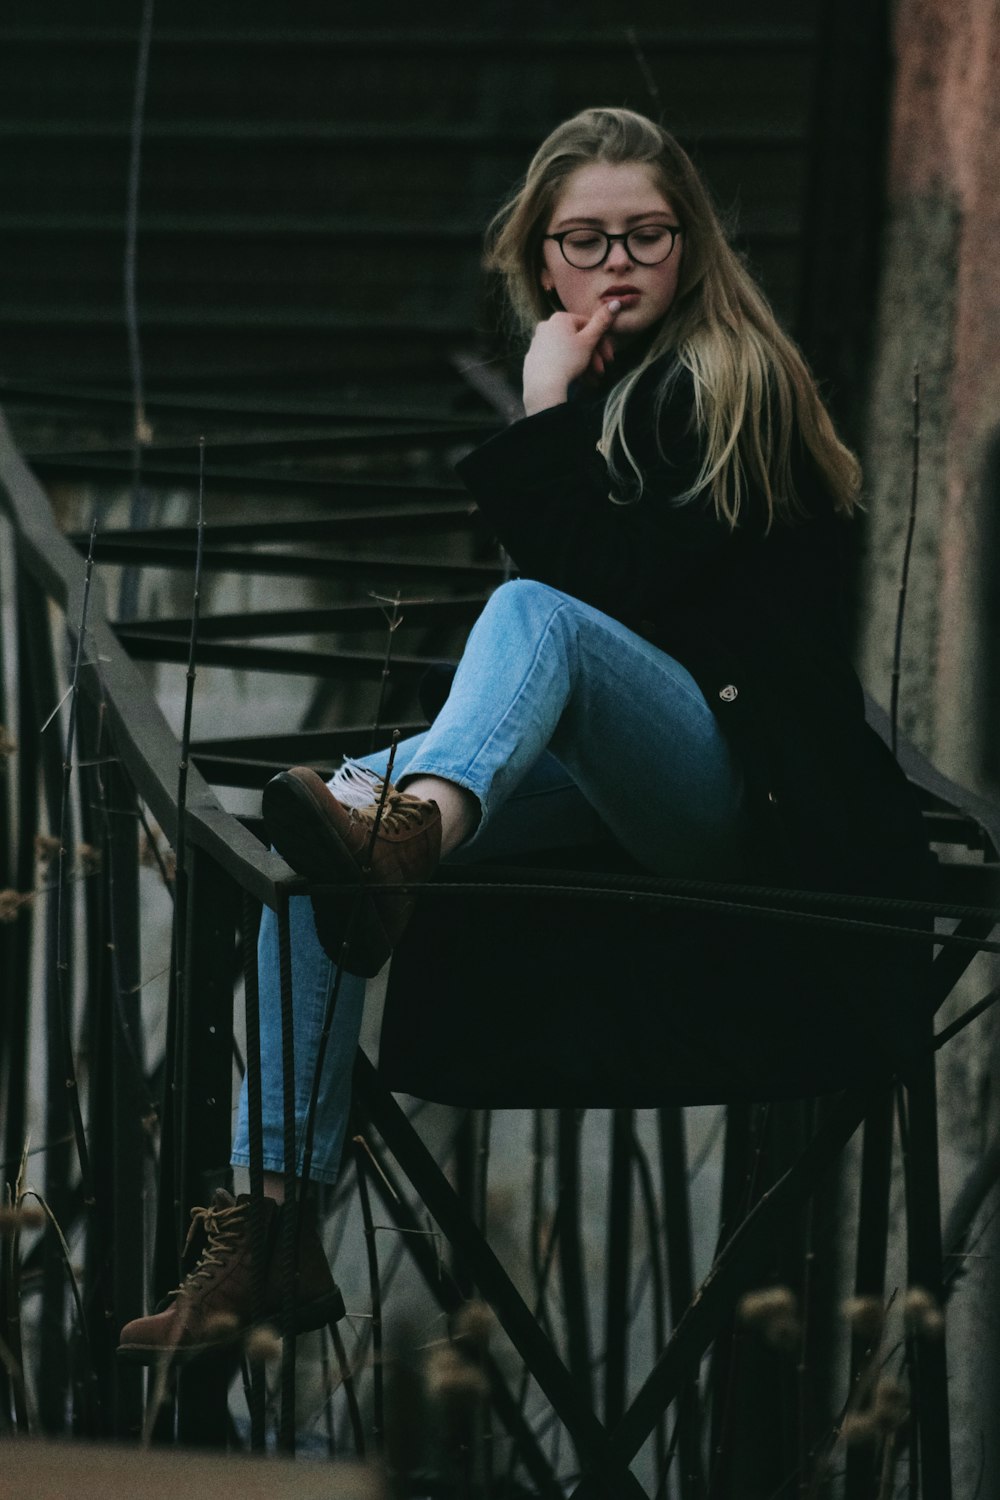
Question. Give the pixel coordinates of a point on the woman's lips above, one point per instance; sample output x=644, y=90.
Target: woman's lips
x=627, y=296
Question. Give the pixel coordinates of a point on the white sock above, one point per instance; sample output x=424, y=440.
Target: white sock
x=355, y=785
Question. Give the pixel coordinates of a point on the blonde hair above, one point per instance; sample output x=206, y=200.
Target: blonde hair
x=752, y=386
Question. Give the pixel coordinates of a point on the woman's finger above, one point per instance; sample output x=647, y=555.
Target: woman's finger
x=597, y=326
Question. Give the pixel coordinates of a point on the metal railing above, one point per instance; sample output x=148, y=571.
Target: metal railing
x=89, y=778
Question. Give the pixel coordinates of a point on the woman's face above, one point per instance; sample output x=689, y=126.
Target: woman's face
x=614, y=197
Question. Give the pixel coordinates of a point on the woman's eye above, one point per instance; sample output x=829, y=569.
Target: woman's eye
x=649, y=234
x=582, y=239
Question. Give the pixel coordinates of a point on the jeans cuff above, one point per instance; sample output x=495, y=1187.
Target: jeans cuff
x=422, y=767
x=325, y=1175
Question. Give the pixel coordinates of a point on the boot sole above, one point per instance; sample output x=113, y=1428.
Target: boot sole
x=312, y=1315
x=298, y=827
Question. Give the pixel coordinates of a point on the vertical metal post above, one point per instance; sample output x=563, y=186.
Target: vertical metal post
x=869, y=1274
x=374, y=1281
x=465, y=1187
x=924, y=1256
x=289, y=1222
x=166, y=1247
x=574, y=1289
x=788, y=1400
x=616, y=1308
x=735, y=1178
x=680, y=1281
x=118, y=1098
x=8, y=693
x=205, y=1105
x=8, y=1060
x=37, y=656
x=18, y=962
x=15, y=953
x=130, y=1104
x=99, y=1022
x=251, y=996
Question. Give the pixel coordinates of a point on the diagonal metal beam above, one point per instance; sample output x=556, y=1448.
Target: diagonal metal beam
x=611, y=1473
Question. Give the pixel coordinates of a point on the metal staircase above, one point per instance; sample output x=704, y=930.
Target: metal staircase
x=312, y=192
x=311, y=197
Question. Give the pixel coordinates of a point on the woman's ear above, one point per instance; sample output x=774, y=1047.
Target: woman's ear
x=547, y=283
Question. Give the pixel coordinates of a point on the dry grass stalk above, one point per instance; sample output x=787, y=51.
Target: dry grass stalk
x=897, y=653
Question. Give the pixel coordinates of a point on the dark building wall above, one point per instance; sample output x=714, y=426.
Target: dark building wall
x=939, y=304
x=940, y=307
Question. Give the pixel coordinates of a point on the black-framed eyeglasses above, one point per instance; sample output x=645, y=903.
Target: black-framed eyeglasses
x=646, y=244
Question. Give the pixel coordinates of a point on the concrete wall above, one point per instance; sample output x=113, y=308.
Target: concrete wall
x=939, y=306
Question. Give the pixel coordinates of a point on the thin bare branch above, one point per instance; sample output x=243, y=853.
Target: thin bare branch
x=897, y=650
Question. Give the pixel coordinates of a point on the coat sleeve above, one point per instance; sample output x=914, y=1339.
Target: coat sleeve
x=545, y=489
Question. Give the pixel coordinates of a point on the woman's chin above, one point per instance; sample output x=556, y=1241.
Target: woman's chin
x=627, y=330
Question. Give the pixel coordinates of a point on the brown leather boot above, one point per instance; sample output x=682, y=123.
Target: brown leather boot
x=212, y=1309
x=392, y=840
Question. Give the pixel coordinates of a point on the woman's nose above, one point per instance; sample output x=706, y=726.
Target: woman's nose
x=618, y=256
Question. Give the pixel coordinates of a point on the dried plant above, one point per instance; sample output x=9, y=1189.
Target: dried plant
x=89, y=859
x=897, y=650
x=47, y=848
x=14, y=1220
x=773, y=1313
x=865, y=1317
x=457, y=1390
x=263, y=1344
x=12, y=901
x=922, y=1314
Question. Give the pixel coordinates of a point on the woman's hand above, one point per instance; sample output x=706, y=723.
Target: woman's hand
x=563, y=349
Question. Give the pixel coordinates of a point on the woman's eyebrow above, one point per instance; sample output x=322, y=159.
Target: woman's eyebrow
x=640, y=218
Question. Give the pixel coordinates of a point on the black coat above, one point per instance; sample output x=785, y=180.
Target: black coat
x=754, y=614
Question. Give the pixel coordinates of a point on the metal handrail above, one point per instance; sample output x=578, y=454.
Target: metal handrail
x=144, y=740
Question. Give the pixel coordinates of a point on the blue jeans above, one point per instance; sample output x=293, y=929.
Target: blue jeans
x=566, y=726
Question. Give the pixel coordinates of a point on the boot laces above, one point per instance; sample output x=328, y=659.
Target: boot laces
x=222, y=1227
x=400, y=812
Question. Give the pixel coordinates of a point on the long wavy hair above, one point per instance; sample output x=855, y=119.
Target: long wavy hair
x=752, y=387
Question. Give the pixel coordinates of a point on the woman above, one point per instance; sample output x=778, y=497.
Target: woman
x=667, y=668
